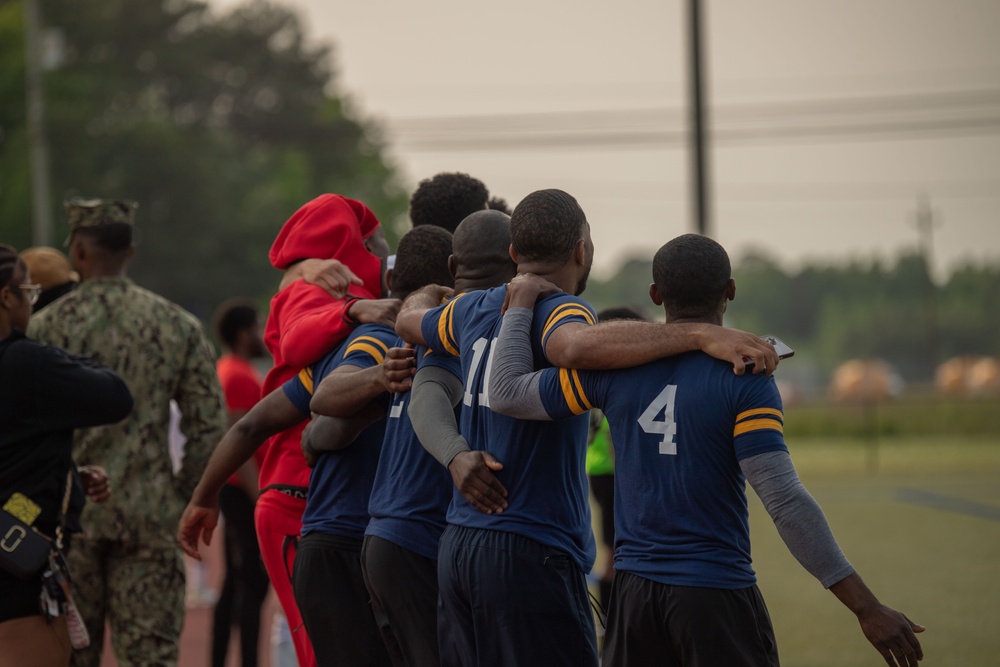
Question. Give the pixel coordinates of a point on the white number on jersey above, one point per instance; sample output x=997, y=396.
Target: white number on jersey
x=664, y=402
x=477, y=356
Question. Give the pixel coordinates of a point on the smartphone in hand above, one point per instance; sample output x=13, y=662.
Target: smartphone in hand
x=780, y=346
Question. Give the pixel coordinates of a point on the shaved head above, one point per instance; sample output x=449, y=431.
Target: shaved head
x=481, y=246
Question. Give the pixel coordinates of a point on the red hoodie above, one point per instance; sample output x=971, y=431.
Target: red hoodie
x=305, y=322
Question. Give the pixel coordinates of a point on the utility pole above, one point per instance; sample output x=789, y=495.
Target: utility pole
x=699, y=152
x=925, y=225
x=41, y=198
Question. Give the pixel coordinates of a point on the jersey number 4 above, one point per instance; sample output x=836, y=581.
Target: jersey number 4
x=667, y=427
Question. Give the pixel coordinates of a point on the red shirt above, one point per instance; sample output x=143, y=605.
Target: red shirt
x=241, y=385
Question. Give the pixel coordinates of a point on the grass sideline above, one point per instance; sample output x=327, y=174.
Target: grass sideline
x=911, y=415
x=919, y=517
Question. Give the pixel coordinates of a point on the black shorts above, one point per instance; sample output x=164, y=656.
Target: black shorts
x=650, y=623
x=19, y=597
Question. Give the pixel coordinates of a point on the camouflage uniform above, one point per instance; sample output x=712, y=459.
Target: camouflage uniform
x=127, y=565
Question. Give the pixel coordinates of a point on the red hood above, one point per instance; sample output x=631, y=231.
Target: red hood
x=330, y=227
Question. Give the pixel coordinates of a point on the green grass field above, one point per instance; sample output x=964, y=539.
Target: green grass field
x=920, y=520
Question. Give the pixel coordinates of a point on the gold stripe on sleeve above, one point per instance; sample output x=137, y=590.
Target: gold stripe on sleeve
x=377, y=353
x=446, y=329
x=306, y=378
x=760, y=411
x=566, y=382
x=367, y=339
x=564, y=311
x=758, y=425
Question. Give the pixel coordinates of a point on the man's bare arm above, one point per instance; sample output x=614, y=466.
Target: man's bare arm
x=273, y=414
x=627, y=343
x=891, y=633
x=805, y=531
x=330, y=274
x=350, y=388
x=413, y=310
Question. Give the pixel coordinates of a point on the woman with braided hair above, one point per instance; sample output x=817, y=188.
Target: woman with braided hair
x=45, y=393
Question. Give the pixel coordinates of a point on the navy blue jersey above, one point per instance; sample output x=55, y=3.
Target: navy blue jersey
x=543, y=461
x=412, y=490
x=679, y=426
x=341, y=481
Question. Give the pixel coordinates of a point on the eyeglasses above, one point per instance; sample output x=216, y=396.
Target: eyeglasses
x=33, y=291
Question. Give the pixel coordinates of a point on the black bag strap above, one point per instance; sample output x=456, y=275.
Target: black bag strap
x=61, y=528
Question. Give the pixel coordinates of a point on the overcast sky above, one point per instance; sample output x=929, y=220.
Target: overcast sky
x=830, y=118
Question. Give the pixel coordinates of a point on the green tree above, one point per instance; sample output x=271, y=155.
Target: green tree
x=628, y=287
x=219, y=126
x=968, y=314
x=15, y=202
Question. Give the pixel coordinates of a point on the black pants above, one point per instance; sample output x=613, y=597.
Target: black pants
x=650, y=623
x=404, y=592
x=246, y=582
x=508, y=600
x=331, y=595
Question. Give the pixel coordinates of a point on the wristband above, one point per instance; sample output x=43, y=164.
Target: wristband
x=347, y=307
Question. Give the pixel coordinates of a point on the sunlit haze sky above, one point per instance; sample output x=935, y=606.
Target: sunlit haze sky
x=830, y=119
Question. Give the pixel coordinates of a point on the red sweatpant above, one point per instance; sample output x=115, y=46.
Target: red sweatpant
x=278, y=518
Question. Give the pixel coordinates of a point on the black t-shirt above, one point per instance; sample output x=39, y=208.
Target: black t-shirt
x=45, y=393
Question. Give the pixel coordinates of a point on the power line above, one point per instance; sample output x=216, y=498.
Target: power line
x=730, y=192
x=732, y=111
x=915, y=115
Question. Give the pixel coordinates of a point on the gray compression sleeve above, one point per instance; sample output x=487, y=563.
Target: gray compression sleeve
x=433, y=398
x=798, y=517
x=513, y=387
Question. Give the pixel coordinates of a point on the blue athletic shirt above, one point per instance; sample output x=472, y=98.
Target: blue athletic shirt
x=341, y=481
x=543, y=461
x=412, y=490
x=680, y=426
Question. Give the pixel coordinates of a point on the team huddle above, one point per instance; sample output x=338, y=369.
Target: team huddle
x=424, y=499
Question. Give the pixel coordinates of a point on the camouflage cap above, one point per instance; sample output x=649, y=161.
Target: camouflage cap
x=82, y=213
x=96, y=212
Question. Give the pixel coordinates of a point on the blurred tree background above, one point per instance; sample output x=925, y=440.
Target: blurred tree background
x=220, y=126
x=859, y=309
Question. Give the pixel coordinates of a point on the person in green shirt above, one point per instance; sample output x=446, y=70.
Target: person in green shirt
x=600, y=465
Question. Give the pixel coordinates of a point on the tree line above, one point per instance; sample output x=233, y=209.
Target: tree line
x=222, y=125
x=830, y=313
x=219, y=125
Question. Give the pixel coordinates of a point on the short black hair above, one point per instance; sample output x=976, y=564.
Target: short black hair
x=421, y=259
x=112, y=237
x=10, y=261
x=692, y=273
x=445, y=199
x=498, y=204
x=233, y=316
x=620, y=313
x=546, y=225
